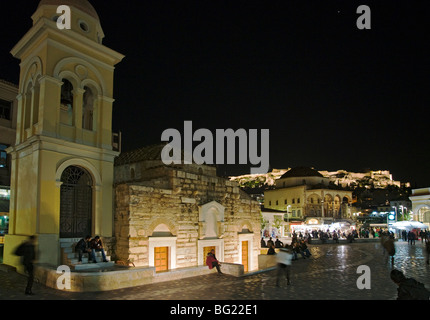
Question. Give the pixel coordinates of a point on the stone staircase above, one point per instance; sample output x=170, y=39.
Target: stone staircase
x=70, y=258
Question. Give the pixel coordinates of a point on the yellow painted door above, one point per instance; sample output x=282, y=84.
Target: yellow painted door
x=161, y=260
x=245, y=255
x=206, y=250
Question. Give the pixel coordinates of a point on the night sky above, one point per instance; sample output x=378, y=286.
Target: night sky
x=333, y=96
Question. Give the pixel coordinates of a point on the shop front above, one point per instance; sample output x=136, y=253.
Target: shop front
x=323, y=224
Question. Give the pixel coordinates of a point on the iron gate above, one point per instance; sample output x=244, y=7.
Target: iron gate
x=76, y=198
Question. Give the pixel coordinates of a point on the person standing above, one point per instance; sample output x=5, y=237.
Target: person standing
x=404, y=235
x=427, y=251
x=411, y=238
x=284, y=258
x=27, y=251
x=390, y=247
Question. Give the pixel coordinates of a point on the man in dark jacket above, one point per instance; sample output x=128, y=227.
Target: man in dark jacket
x=409, y=289
x=83, y=246
x=28, y=253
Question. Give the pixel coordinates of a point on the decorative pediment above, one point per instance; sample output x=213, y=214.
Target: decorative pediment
x=213, y=207
x=211, y=220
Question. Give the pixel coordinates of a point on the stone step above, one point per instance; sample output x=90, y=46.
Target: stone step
x=70, y=257
x=85, y=259
x=73, y=255
x=89, y=266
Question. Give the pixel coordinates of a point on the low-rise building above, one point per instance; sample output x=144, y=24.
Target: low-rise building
x=170, y=217
x=8, y=113
x=303, y=192
x=421, y=205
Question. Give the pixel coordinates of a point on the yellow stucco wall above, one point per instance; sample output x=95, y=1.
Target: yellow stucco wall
x=44, y=146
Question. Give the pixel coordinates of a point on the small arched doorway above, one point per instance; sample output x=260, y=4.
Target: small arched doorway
x=424, y=214
x=76, y=203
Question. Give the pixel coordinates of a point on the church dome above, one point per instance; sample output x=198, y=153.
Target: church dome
x=82, y=5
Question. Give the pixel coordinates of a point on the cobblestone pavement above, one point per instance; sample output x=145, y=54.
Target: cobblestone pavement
x=330, y=274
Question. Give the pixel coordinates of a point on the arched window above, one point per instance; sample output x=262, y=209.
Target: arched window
x=88, y=109
x=66, y=107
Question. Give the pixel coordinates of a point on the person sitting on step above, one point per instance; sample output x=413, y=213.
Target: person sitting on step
x=83, y=246
x=212, y=262
x=97, y=246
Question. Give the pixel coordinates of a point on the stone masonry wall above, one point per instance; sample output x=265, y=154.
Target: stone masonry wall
x=141, y=207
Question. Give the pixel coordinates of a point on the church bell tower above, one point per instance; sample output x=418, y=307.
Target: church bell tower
x=62, y=162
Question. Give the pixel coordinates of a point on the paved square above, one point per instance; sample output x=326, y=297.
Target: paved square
x=330, y=274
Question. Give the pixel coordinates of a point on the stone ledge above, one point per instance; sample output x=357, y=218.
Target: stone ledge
x=119, y=277
x=7, y=268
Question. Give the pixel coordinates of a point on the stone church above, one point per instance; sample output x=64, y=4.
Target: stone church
x=172, y=216
x=63, y=182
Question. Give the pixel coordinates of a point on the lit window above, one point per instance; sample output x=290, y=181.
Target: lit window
x=5, y=109
x=3, y=156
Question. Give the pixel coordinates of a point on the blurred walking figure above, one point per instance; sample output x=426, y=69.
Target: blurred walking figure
x=427, y=251
x=409, y=289
x=390, y=247
x=284, y=258
x=411, y=238
x=27, y=251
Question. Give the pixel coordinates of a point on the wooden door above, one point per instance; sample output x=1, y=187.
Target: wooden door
x=161, y=259
x=206, y=250
x=245, y=255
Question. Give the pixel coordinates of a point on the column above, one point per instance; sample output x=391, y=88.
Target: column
x=78, y=100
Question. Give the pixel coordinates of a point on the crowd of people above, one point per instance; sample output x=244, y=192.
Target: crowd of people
x=408, y=288
x=411, y=236
x=297, y=247
x=351, y=234
x=308, y=236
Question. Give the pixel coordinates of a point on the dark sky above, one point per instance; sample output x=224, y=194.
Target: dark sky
x=333, y=96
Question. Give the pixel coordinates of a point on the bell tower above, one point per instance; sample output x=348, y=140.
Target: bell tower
x=62, y=162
